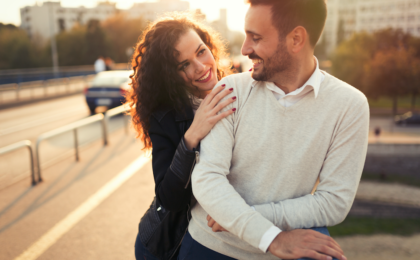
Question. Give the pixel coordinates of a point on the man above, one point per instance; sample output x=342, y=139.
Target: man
x=100, y=64
x=293, y=124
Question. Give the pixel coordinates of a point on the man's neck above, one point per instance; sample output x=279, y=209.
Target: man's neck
x=296, y=76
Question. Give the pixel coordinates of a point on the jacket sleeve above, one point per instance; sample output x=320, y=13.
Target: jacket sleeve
x=172, y=167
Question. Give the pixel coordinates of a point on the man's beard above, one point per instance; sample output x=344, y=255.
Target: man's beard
x=279, y=62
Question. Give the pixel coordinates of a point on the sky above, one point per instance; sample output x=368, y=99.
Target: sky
x=236, y=9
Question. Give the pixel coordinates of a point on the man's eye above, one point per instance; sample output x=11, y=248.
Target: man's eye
x=256, y=39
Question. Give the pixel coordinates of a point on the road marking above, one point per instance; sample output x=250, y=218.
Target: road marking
x=56, y=232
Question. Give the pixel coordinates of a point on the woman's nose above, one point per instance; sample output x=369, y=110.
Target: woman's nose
x=199, y=67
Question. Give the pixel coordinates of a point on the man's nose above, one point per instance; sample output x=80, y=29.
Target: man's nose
x=246, y=48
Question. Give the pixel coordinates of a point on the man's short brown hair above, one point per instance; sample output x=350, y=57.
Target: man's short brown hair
x=288, y=14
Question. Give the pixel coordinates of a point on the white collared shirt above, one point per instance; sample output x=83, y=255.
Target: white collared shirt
x=312, y=84
x=287, y=100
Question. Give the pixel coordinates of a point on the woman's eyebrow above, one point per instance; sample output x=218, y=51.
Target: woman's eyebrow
x=195, y=52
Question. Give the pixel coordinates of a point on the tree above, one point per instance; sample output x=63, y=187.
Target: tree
x=350, y=56
x=414, y=87
x=17, y=50
x=96, y=41
x=389, y=74
x=121, y=34
x=73, y=47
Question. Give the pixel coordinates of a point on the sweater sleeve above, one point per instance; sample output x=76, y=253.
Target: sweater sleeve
x=213, y=191
x=172, y=167
x=339, y=179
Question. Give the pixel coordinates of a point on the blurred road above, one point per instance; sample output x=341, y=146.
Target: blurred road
x=105, y=231
x=391, y=133
x=30, y=121
x=108, y=228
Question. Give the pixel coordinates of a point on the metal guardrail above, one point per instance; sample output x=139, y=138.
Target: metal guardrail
x=25, y=75
x=104, y=119
x=19, y=145
x=67, y=83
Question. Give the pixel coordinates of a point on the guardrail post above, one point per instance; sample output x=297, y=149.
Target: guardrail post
x=18, y=92
x=18, y=145
x=76, y=144
x=125, y=123
x=104, y=122
x=44, y=83
x=38, y=160
x=31, y=153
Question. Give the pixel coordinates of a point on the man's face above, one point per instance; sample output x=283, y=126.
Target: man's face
x=263, y=45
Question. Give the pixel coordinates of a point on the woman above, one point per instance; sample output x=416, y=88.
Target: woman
x=176, y=65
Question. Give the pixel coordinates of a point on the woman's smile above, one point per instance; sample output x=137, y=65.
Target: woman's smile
x=206, y=77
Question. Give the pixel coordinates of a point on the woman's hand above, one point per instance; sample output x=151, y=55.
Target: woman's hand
x=214, y=226
x=206, y=116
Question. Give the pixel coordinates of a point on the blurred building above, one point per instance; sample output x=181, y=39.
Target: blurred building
x=348, y=16
x=151, y=10
x=221, y=24
x=51, y=18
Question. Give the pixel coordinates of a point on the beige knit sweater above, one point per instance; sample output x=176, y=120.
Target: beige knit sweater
x=269, y=156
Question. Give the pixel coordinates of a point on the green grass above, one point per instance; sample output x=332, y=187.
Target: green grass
x=384, y=102
x=407, y=180
x=371, y=226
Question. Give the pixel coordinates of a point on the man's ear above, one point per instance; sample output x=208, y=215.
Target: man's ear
x=297, y=39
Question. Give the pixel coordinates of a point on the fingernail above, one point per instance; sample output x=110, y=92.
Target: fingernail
x=250, y=69
x=231, y=89
x=233, y=109
x=234, y=98
x=223, y=85
x=329, y=257
x=343, y=258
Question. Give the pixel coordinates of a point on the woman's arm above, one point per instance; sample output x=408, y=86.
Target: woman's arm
x=173, y=163
x=172, y=166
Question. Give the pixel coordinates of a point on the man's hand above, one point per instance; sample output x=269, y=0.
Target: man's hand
x=300, y=243
x=214, y=226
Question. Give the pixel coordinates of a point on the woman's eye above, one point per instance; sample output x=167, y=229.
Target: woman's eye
x=183, y=66
x=201, y=52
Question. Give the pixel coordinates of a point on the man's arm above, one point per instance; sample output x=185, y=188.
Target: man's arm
x=339, y=179
x=213, y=191
x=218, y=198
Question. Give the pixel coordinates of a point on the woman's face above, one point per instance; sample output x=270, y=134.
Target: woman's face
x=196, y=64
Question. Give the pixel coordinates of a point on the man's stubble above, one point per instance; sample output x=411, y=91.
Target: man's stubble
x=281, y=62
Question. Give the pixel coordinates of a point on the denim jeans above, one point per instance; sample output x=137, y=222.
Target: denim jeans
x=141, y=251
x=191, y=249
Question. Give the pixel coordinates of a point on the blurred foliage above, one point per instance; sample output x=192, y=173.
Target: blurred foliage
x=370, y=226
x=383, y=64
x=81, y=45
x=122, y=35
x=18, y=50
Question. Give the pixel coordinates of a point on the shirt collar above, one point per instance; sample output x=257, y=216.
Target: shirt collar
x=314, y=81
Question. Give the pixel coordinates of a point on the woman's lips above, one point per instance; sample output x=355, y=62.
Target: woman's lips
x=206, y=79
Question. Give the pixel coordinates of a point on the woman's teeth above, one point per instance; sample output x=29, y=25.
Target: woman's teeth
x=205, y=76
x=256, y=61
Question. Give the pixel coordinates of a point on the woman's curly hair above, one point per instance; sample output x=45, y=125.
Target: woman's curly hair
x=155, y=81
